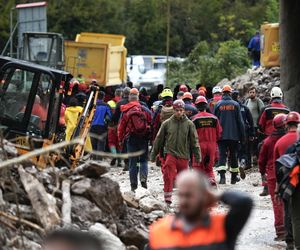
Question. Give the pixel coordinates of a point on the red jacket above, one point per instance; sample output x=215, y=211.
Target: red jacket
x=284, y=143
x=265, y=158
x=124, y=125
x=208, y=127
x=266, y=119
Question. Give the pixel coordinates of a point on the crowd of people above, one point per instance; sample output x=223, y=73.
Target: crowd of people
x=184, y=129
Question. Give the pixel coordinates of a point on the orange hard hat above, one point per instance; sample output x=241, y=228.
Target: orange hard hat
x=226, y=88
x=200, y=99
x=293, y=117
x=187, y=95
x=202, y=88
x=134, y=91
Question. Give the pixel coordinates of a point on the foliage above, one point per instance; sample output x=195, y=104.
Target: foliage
x=207, y=65
x=144, y=22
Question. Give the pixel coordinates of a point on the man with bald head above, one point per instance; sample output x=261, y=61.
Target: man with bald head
x=194, y=227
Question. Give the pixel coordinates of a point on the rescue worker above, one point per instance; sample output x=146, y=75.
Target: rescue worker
x=72, y=114
x=195, y=227
x=123, y=101
x=99, y=125
x=244, y=152
x=164, y=111
x=217, y=96
x=254, y=49
x=256, y=107
x=233, y=131
x=266, y=167
x=275, y=107
x=178, y=140
x=134, y=130
x=190, y=108
x=281, y=147
x=155, y=96
x=117, y=97
x=179, y=95
x=209, y=132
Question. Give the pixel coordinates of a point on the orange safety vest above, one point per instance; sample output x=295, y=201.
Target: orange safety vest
x=168, y=234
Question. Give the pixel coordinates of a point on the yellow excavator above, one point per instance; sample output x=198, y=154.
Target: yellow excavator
x=31, y=98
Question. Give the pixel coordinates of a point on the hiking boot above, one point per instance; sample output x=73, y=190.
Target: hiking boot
x=265, y=191
x=242, y=172
x=126, y=167
x=234, y=178
x=222, y=178
x=133, y=188
x=279, y=237
x=144, y=184
x=113, y=162
x=119, y=164
x=247, y=167
x=290, y=246
x=158, y=162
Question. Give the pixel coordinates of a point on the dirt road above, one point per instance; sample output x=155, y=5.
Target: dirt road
x=259, y=231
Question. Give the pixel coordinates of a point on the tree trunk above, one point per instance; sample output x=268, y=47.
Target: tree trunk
x=290, y=52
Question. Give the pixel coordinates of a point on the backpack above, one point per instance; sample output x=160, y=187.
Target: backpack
x=166, y=113
x=137, y=120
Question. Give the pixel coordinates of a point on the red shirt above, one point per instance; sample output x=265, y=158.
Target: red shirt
x=284, y=143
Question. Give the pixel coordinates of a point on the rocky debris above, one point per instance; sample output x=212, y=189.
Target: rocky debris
x=149, y=204
x=34, y=201
x=110, y=241
x=264, y=79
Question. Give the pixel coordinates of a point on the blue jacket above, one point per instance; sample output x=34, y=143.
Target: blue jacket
x=254, y=43
x=230, y=117
x=102, y=114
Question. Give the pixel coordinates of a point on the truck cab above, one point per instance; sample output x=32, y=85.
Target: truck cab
x=46, y=49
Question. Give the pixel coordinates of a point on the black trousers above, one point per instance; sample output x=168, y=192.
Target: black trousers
x=228, y=149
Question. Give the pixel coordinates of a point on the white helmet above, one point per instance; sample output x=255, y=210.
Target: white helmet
x=276, y=92
x=216, y=89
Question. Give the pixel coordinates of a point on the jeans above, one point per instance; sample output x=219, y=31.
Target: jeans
x=228, y=148
x=135, y=144
x=99, y=144
x=288, y=222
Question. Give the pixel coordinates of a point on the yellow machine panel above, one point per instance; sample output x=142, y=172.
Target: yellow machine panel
x=270, y=46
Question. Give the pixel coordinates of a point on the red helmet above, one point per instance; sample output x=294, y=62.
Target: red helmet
x=178, y=104
x=183, y=88
x=293, y=117
x=201, y=99
x=187, y=95
x=279, y=121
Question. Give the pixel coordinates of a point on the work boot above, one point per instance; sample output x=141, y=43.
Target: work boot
x=133, y=187
x=144, y=184
x=290, y=246
x=280, y=237
x=126, y=167
x=113, y=162
x=265, y=191
x=222, y=177
x=242, y=172
x=234, y=178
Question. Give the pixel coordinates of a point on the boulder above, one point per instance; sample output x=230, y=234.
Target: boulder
x=85, y=210
x=92, y=169
x=137, y=236
x=109, y=240
x=141, y=193
x=149, y=204
x=81, y=186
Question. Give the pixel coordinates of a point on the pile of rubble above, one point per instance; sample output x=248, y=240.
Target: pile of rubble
x=264, y=79
x=34, y=202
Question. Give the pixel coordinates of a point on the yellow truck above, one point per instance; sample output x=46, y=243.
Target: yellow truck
x=97, y=56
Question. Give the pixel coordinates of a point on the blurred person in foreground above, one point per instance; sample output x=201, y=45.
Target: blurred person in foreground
x=194, y=227
x=71, y=240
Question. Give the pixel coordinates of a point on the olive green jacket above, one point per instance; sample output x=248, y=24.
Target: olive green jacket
x=177, y=137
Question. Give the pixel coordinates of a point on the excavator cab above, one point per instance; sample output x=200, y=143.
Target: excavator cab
x=30, y=101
